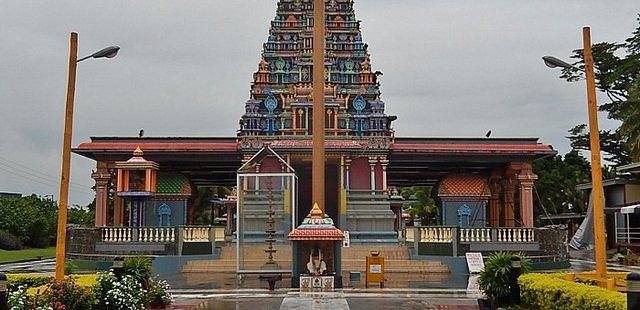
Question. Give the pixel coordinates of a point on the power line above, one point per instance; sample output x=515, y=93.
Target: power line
x=35, y=171
x=42, y=181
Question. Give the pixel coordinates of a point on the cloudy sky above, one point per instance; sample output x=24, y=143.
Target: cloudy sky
x=452, y=68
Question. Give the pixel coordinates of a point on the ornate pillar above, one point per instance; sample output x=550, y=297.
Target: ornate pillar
x=343, y=186
x=526, y=179
x=384, y=163
x=372, y=163
x=494, y=202
x=118, y=211
x=102, y=177
x=347, y=178
x=508, y=197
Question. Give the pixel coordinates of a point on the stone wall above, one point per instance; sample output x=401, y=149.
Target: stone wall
x=82, y=240
x=554, y=241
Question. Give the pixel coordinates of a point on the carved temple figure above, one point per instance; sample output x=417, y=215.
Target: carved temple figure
x=316, y=265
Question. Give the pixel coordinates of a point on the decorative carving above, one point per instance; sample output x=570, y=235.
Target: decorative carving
x=285, y=69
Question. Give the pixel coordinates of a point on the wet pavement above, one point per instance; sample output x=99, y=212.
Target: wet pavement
x=38, y=266
x=330, y=301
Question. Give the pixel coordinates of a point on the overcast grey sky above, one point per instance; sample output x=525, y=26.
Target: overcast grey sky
x=452, y=68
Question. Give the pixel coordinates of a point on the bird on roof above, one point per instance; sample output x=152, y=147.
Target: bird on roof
x=141, y=133
x=488, y=134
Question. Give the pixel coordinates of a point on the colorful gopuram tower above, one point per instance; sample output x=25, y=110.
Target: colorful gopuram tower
x=358, y=133
x=280, y=103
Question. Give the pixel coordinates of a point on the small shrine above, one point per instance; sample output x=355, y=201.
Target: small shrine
x=316, y=246
x=137, y=183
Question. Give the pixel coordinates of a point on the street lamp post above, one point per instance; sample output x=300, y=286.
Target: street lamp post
x=596, y=165
x=61, y=236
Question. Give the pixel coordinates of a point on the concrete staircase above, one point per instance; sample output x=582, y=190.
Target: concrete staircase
x=397, y=260
x=254, y=259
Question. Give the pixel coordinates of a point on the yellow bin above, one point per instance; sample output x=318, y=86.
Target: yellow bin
x=375, y=269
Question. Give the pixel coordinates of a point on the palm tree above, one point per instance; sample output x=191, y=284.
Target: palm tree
x=420, y=205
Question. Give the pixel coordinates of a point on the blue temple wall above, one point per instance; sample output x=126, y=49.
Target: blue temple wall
x=473, y=212
x=172, y=212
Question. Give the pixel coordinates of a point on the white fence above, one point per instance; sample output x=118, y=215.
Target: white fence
x=163, y=234
x=442, y=234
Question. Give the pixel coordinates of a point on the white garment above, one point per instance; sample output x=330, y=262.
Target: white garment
x=316, y=267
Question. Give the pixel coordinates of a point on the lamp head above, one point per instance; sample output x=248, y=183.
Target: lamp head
x=108, y=52
x=553, y=62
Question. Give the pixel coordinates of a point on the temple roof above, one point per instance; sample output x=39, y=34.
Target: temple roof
x=137, y=162
x=316, y=227
x=463, y=185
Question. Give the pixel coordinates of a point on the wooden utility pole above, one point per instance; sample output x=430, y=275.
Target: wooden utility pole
x=318, y=157
x=66, y=159
x=596, y=166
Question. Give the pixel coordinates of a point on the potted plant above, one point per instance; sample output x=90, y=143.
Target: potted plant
x=495, y=279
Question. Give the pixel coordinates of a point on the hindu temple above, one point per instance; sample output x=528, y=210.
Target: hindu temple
x=479, y=183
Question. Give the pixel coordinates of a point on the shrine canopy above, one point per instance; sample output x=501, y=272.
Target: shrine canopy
x=317, y=226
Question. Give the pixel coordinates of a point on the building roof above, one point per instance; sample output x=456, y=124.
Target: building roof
x=153, y=145
x=463, y=185
x=173, y=184
x=473, y=146
x=631, y=168
x=609, y=182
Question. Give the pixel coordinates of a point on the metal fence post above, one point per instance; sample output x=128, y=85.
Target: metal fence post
x=633, y=291
x=516, y=264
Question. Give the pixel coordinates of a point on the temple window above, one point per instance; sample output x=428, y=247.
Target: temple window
x=164, y=215
x=300, y=119
x=329, y=121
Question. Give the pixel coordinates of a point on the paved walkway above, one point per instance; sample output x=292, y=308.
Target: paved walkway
x=37, y=266
x=344, y=300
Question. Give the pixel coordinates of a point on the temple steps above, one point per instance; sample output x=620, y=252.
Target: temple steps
x=397, y=260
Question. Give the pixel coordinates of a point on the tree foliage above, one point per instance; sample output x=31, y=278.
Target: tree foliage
x=421, y=206
x=32, y=219
x=617, y=71
x=558, y=178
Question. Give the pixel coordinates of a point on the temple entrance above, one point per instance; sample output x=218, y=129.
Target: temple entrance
x=331, y=195
x=303, y=171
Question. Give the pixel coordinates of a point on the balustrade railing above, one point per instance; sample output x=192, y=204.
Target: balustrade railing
x=436, y=234
x=196, y=234
x=475, y=235
x=443, y=234
x=163, y=234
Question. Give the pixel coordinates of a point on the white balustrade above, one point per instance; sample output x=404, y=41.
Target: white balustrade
x=196, y=234
x=138, y=234
x=516, y=235
x=471, y=235
x=116, y=234
x=475, y=235
x=436, y=234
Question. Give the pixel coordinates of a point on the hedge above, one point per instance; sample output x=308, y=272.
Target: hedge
x=38, y=280
x=549, y=291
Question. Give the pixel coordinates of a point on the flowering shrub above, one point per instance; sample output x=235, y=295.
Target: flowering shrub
x=115, y=294
x=18, y=299
x=158, y=295
x=66, y=295
x=101, y=292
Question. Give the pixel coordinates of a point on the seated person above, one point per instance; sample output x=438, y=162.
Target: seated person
x=316, y=266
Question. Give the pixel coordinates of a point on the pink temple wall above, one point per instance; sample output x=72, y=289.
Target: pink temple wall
x=360, y=174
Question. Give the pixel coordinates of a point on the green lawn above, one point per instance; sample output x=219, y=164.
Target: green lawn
x=14, y=256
